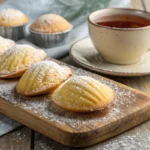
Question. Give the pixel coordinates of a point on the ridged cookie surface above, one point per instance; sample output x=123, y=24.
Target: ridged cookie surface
x=83, y=94
x=42, y=77
x=15, y=61
x=5, y=44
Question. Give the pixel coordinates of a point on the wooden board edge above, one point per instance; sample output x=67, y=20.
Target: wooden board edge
x=113, y=129
x=34, y=122
x=75, y=139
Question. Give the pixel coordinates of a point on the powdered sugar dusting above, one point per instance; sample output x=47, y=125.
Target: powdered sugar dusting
x=44, y=108
x=50, y=23
x=11, y=13
x=52, y=67
x=5, y=44
x=41, y=76
x=135, y=139
x=50, y=19
x=12, y=17
x=19, y=58
x=88, y=91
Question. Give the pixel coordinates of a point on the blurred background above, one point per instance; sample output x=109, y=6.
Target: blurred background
x=75, y=11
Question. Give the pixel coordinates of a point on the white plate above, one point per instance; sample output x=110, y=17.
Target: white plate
x=84, y=53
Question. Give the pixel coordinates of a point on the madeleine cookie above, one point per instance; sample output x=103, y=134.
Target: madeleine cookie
x=83, y=94
x=12, y=23
x=15, y=61
x=42, y=77
x=5, y=44
x=50, y=30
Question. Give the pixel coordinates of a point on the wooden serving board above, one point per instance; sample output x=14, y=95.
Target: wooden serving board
x=74, y=129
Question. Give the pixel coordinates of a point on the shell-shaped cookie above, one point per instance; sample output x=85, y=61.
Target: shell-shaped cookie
x=83, y=94
x=42, y=77
x=15, y=61
x=5, y=44
x=51, y=23
x=12, y=18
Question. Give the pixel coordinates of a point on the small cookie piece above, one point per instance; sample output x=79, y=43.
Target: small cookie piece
x=83, y=94
x=15, y=61
x=5, y=44
x=42, y=77
x=12, y=17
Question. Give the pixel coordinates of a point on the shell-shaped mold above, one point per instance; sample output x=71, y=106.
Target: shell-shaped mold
x=42, y=77
x=15, y=61
x=83, y=94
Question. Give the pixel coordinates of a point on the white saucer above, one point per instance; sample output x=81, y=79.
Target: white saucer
x=84, y=53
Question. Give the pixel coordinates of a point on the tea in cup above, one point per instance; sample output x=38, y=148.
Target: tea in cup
x=121, y=36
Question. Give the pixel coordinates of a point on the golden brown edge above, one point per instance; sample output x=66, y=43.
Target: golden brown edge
x=47, y=90
x=20, y=72
x=86, y=110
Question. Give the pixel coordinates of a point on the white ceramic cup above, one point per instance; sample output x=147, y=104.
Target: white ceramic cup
x=119, y=45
